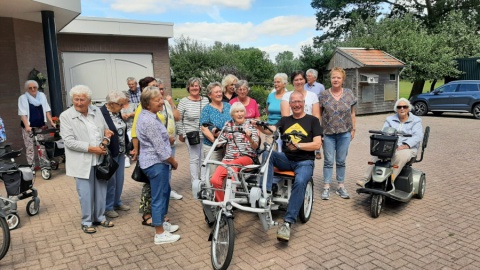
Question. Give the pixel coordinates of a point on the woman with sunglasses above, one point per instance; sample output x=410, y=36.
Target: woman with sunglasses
x=405, y=121
x=337, y=113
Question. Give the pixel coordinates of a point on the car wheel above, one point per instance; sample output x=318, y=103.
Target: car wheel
x=476, y=111
x=437, y=113
x=420, y=108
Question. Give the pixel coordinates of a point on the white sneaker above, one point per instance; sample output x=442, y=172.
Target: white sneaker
x=165, y=238
x=169, y=227
x=175, y=196
x=127, y=162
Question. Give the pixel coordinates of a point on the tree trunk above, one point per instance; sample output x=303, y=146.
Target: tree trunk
x=417, y=88
x=432, y=86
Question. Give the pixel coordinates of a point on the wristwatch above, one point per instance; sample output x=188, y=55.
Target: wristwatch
x=298, y=146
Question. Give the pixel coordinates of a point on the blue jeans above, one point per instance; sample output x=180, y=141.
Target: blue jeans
x=115, y=184
x=160, y=190
x=335, y=147
x=303, y=172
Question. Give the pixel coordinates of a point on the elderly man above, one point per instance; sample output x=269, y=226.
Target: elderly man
x=312, y=85
x=297, y=156
x=133, y=91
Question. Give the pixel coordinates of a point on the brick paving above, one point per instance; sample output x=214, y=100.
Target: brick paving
x=439, y=232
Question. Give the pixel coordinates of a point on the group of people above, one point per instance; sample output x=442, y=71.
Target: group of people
x=148, y=120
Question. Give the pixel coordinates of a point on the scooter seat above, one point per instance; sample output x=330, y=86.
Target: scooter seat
x=286, y=173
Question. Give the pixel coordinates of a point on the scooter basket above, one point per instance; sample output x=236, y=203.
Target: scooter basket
x=18, y=181
x=383, y=146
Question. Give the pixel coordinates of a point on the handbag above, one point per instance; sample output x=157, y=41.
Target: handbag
x=107, y=168
x=138, y=174
x=193, y=137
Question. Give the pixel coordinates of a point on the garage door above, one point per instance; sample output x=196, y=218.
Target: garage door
x=103, y=72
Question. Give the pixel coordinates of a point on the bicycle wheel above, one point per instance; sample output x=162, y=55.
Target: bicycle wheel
x=4, y=237
x=222, y=243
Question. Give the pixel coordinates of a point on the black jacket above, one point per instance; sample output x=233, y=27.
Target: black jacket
x=114, y=146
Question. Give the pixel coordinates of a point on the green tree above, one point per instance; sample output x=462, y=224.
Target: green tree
x=287, y=63
x=255, y=65
x=336, y=17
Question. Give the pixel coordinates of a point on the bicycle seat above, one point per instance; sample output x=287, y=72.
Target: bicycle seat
x=286, y=173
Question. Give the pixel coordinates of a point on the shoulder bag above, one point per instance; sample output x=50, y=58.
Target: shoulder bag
x=107, y=168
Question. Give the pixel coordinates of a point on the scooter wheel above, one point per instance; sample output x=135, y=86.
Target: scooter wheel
x=46, y=174
x=376, y=205
x=13, y=221
x=421, y=187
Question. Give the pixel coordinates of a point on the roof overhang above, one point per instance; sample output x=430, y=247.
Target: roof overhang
x=31, y=10
x=118, y=27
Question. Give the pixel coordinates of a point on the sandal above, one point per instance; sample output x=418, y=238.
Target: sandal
x=88, y=229
x=146, y=222
x=105, y=223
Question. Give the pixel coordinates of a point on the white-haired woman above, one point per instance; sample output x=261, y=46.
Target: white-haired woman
x=34, y=112
x=86, y=136
x=240, y=146
x=118, y=144
x=405, y=121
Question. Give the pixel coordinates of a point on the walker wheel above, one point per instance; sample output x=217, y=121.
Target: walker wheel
x=32, y=208
x=46, y=174
x=13, y=220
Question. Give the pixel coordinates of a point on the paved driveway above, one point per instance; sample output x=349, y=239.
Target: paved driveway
x=439, y=232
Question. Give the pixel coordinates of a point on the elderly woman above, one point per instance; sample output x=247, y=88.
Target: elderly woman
x=240, y=148
x=274, y=101
x=311, y=100
x=405, y=121
x=34, y=112
x=337, y=111
x=250, y=104
x=228, y=85
x=190, y=108
x=155, y=160
x=85, y=134
x=118, y=145
x=216, y=113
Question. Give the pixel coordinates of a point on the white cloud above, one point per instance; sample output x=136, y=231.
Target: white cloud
x=160, y=6
x=210, y=32
x=286, y=25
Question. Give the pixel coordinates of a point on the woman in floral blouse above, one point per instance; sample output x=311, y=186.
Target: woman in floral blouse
x=337, y=114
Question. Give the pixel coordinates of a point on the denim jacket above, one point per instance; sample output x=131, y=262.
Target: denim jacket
x=412, y=126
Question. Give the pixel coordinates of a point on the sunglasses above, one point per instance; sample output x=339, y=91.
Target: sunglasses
x=402, y=107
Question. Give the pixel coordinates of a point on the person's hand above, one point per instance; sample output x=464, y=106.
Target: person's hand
x=134, y=154
x=28, y=129
x=97, y=150
x=291, y=146
x=108, y=133
x=171, y=139
x=169, y=99
x=53, y=124
x=248, y=134
x=205, y=130
x=181, y=138
x=125, y=116
x=174, y=165
x=403, y=146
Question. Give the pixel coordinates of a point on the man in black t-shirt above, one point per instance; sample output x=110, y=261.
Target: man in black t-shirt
x=297, y=156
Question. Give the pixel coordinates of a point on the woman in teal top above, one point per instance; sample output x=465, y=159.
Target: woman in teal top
x=274, y=100
x=215, y=114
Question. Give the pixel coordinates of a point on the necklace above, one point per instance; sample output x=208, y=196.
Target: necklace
x=336, y=95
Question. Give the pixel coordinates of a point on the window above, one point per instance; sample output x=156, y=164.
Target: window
x=393, y=77
x=468, y=88
x=447, y=88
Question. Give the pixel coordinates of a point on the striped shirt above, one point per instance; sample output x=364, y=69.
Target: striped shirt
x=237, y=143
x=190, y=111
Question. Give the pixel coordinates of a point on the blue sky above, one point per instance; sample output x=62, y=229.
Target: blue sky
x=270, y=25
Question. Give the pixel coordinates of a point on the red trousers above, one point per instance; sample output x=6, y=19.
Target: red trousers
x=221, y=172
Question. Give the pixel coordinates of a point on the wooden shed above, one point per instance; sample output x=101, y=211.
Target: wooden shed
x=373, y=75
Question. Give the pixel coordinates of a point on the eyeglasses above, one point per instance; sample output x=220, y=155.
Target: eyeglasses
x=402, y=107
x=296, y=101
x=161, y=89
x=121, y=105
